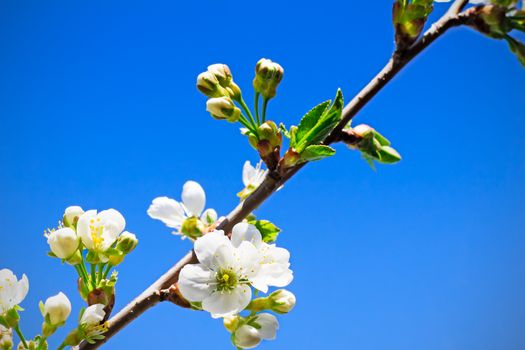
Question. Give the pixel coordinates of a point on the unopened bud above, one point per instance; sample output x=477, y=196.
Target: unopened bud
x=56, y=309
x=71, y=216
x=209, y=85
x=291, y=158
x=282, y=301
x=234, y=91
x=269, y=131
x=246, y=337
x=268, y=75
x=409, y=20
x=63, y=242
x=363, y=130
x=193, y=227
x=223, y=108
x=491, y=20
x=6, y=338
x=222, y=73
x=127, y=242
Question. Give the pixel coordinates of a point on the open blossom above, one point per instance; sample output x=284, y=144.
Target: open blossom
x=274, y=262
x=252, y=177
x=222, y=279
x=57, y=308
x=93, y=315
x=63, y=242
x=262, y=326
x=12, y=290
x=99, y=231
x=187, y=217
x=227, y=269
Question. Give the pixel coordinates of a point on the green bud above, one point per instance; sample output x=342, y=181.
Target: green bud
x=282, y=301
x=193, y=227
x=208, y=84
x=10, y=318
x=491, y=20
x=290, y=159
x=269, y=131
x=234, y=91
x=388, y=155
x=222, y=73
x=268, y=75
x=223, y=108
x=409, y=20
x=127, y=242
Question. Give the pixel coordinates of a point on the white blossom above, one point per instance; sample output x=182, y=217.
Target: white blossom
x=93, y=315
x=247, y=336
x=12, y=290
x=274, y=262
x=57, y=308
x=222, y=279
x=173, y=214
x=99, y=231
x=252, y=177
x=63, y=242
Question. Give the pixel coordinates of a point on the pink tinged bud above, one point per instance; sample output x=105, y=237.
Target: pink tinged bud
x=223, y=108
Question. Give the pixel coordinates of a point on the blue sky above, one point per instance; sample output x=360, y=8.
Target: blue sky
x=98, y=108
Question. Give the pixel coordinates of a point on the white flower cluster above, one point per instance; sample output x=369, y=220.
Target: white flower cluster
x=227, y=272
x=55, y=311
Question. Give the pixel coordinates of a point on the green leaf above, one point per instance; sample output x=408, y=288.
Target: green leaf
x=324, y=125
x=381, y=139
x=269, y=231
x=311, y=118
x=388, y=155
x=317, y=152
x=518, y=48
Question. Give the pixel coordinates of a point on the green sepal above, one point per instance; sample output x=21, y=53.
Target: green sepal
x=51, y=254
x=41, y=307
x=317, y=152
x=388, y=155
x=268, y=230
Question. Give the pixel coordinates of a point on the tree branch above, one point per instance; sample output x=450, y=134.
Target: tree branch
x=163, y=288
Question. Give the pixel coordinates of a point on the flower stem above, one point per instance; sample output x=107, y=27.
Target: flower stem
x=100, y=271
x=265, y=104
x=61, y=346
x=21, y=336
x=243, y=121
x=256, y=105
x=94, y=276
x=107, y=271
x=248, y=113
x=41, y=342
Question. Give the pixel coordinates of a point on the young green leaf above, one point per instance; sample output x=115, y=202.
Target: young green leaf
x=309, y=120
x=269, y=231
x=317, y=152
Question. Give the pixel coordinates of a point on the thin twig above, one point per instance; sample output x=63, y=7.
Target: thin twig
x=160, y=289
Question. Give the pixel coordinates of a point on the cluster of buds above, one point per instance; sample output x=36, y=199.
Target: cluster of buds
x=95, y=239
x=372, y=145
x=217, y=84
x=268, y=75
x=268, y=143
x=409, y=17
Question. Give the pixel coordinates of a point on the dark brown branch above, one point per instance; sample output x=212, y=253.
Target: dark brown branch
x=164, y=288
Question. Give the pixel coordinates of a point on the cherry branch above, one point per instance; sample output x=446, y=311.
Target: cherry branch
x=164, y=289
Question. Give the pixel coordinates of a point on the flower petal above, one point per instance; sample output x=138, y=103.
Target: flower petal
x=83, y=229
x=193, y=198
x=114, y=222
x=167, y=210
x=224, y=304
x=248, y=173
x=206, y=246
x=196, y=282
x=269, y=325
x=245, y=232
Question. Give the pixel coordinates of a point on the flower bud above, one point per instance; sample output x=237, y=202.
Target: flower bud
x=491, y=20
x=57, y=309
x=234, y=91
x=6, y=338
x=71, y=216
x=208, y=84
x=127, y=242
x=268, y=75
x=63, y=242
x=246, y=337
x=290, y=159
x=363, y=130
x=93, y=315
x=223, y=108
x=222, y=73
x=193, y=227
x=282, y=301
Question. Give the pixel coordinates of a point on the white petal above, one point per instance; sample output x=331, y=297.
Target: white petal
x=193, y=197
x=113, y=221
x=247, y=259
x=22, y=287
x=269, y=326
x=224, y=257
x=209, y=216
x=206, y=246
x=196, y=282
x=83, y=229
x=245, y=232
x=224, y=304
x=248, y=173
x=168, y=211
